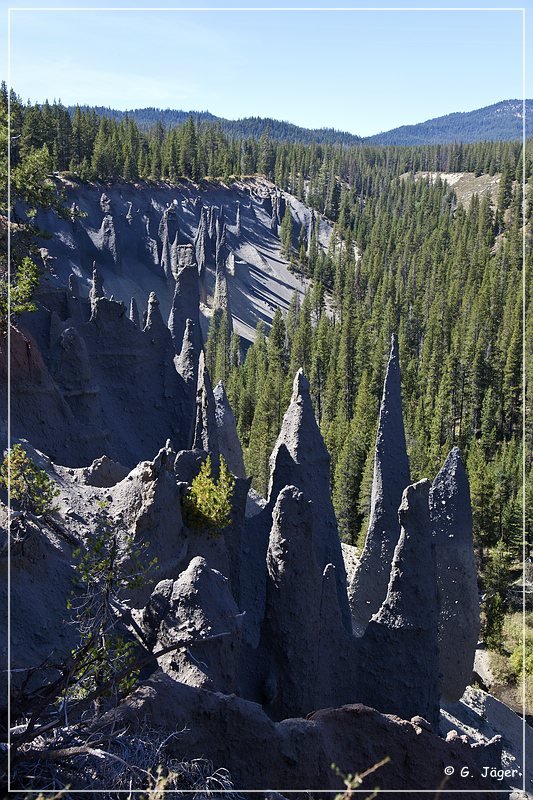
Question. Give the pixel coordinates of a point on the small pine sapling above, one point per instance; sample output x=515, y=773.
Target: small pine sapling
x=207, y=505
x=29, y=487
x=16, y=295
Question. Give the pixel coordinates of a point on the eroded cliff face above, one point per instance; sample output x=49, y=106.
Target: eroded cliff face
x=142, y=236
x=109, y=362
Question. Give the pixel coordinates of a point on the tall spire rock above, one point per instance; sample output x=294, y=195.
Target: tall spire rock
x=300, y=458
x=159, y=334
x=238, y=220
x=134, y=312
x=336, y=678
x=168, y=233
x=154, y=320
x=221, y=298
x=201, y=250
x=211, y=222
x=186, y=302
x=106, y=237
x=187, y=360
x=398, y=666
x=205, y=436
x=105, y=203
x=228, y=438
x=183, y=256
x=451, y=523
x=391, y=475
x=292, y=621
x=97, y=287
x=220, y=251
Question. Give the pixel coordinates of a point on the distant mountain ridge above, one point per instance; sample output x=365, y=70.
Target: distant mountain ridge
x=500, y=121
x=253, y=127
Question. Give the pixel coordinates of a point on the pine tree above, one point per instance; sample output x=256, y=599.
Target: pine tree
x=285, y=233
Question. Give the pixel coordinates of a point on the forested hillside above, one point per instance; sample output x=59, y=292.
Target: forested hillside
x=501, y=121
x=498, y=122
x=405, y=257
x=252, y=127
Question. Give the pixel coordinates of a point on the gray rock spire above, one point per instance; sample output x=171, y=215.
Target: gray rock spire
x=292, y=620
x=108, y=238
x=183, y=256
x=154, y=320
x=168, y=233
x=228, y=438
x=205, y=436
x=398, y=666
x=201, y=249
x=186, y=301
x=134, y=312
x=451, y=522
x=220, y=251
x=97, y=287
x=336, y=679
x=187, y=360
x=300, y=458
x=211, y=222
x=221, y=298
x=391, y=475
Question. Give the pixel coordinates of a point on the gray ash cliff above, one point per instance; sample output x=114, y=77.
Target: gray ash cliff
x=90, y=377
x=142, y=236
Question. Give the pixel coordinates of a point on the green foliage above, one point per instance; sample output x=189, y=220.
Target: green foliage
x=101, y=144
x=24, y=282
x=29, y=487
x=285, y=233
x=31, y=184
x=494, y=619
x=207, y=505
x=521, y=661
x=222, y=354
x=510, y=663
x=496, y=581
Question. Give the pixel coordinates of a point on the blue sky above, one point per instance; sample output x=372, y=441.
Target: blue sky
x=363, y=71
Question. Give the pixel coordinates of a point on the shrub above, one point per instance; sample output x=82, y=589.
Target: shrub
x=207, y=504
x=494, y=619
x=24, y=282
x=29, y=486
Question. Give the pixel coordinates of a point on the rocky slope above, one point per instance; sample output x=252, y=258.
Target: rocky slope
x=133, y=233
